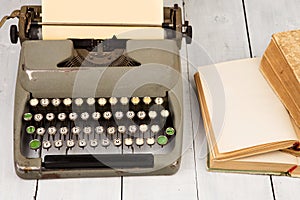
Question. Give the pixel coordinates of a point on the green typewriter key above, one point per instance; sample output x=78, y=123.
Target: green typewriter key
x=52, y=130
x=102, y=101
x=165, y=113
x=75, y=130
x=70, y=143
x=128, y=141
x=44, y=102
x=135, y=100
x=150, y=141
x=40, y=131
x=73, y=116
x=91, y=101
x=84, y=116
x=27, y=116
x=82, y=143
x=170, y=131
x=62, y=116
x=141, y=114
x=30, y=129
x=78, y=101
x=50, y=117
x=63, y=130
x=117, y=142
x=96, y=115
x=119, y=115
x=111, y=130
x=130, y=114
x=38, y=117
x=162, y=140
x=152, y=114
x=105, y=142
x=159, y=100
x=113, y=101
x=55, y=102
x=121, y=129
x=34, y=144
x=47, y=144
x=155, y=128
x=99, y=129
x=139, y=141
x=124, y=101
x=94, y=143
x=58, y=143
x=143, y=128
x=67, y=102
x=87, y=130
x=132, y=129
x=107, y=115
x=34, y=102
x=147, y=100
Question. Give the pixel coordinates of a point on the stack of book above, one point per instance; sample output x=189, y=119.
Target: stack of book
x=250, y=110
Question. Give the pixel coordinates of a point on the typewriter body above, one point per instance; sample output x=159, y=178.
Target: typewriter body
x=97, y=107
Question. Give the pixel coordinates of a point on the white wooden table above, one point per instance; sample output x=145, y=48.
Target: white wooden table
x=223, y=30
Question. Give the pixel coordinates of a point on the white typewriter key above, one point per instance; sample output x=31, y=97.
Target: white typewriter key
x=152, y=114
x=38, y=117
x=121, y=129
x=78, y=101
x=124, y=101
x=107, y=115
x=111, y=130
x=63, y=130
x=105, y=142
x=99, y=129
x=150, y=141
x=75, y=130
x=62, y=116
x=84, y=116
x=73, y=116
x=90, y=101
x=164, y=113
x=55, y=102
x=58, y=143
x=143, y=128
x=94, y=143
x=130, y=114
x=82, y=143
x=50, y=117
x=141, y=114
x=102, y=101
x=34, y=102
x=40, y=131
x=155, y=129
x=119, y=115
x=87, y=130
x=135, y=100
x=117, y=142
x=113, y=101
x=46, y=144
x=132, y=128
x=67, y=101
x=147, y=100
x=159, y=100
x=52, y=130
x=44, y=102
x=128, y=141
x=70, y=143
x=96, y=115
x=139, y=141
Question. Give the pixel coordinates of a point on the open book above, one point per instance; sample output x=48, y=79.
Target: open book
x=242, y=115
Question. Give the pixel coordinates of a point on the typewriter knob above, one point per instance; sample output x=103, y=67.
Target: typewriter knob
x=14, y=34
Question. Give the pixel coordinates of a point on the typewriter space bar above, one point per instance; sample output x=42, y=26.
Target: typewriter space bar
x=99, y=161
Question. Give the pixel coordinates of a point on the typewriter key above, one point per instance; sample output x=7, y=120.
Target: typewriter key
x=58, y=143
x=82, y=143
x=84, y=116
x=44, y=102
x=132, y=128
x=78, y=101
x=46, y=144
x=102, y=101
x=119, y=115
x=130, y=114
x=52, y=130
x=96, y=115
x=40, y=131
x=34, y=144
x=34, y=102
x=105, y=142
x=170, y=131
x=73, y=116
x=164, y=113
x=113, y=101
x=124, y=101
x=75, y=130
x=111, y=130
x=152, y=114
x=62, y=116
x=87, y=130
x=67, y=101
x=139, y=141
x=90, y=101
x=150, y=141
x=94, y=143
x=70, y=143
x=63, y=130
x=162, y=140
x=141, y=114
x=50, y=116
x=30, y=129
x=135, y=100
x=27, y=116
x=147, y=100
x=117, y=142
x=99, y=129
x=143, y=128
x=38, y=117
x=121, y=129
x=55, y=102
x=159, y=100
x=107, y=115
x=128, y=141
x=155, y=128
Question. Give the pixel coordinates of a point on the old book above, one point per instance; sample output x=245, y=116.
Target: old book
x=248, y=119
x=281, y=67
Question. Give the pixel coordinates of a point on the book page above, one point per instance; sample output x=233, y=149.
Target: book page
x=253, y=115
x=272, y=157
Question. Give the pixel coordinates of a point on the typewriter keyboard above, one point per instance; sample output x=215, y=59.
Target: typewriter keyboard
x=95, y=126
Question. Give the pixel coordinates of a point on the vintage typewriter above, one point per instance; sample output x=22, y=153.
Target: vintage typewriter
x=97, y=107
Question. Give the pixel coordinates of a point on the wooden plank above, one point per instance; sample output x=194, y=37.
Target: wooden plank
x=219, y=35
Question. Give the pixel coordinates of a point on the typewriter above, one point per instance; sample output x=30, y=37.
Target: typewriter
x=97, y=107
